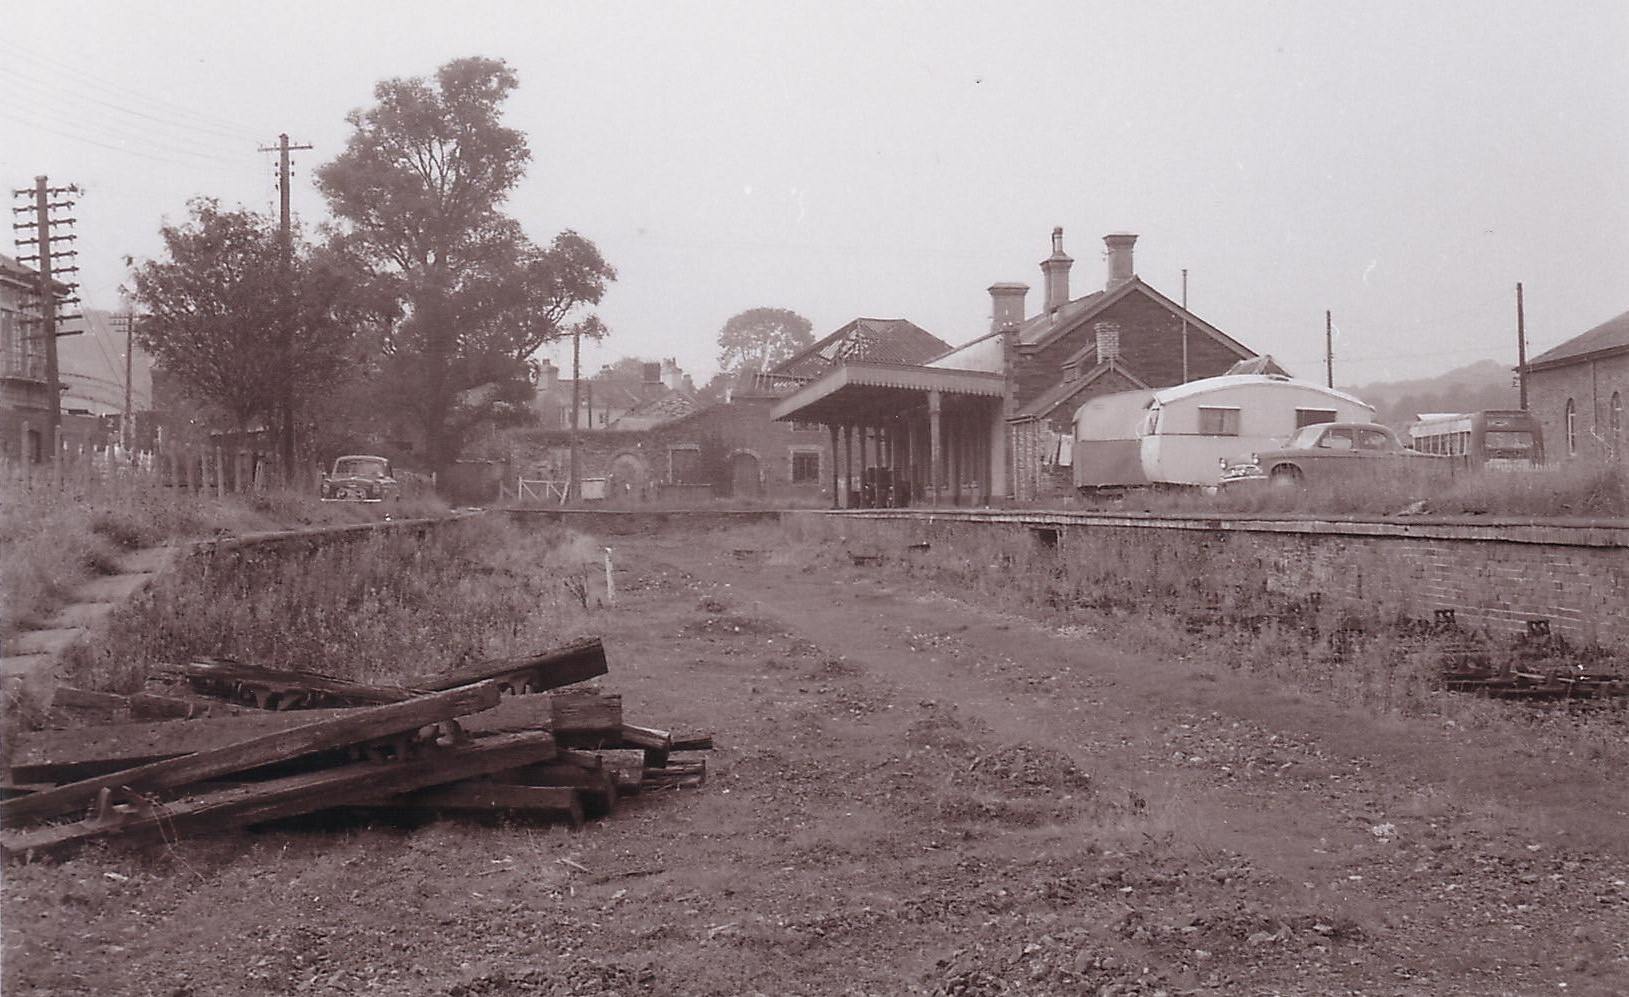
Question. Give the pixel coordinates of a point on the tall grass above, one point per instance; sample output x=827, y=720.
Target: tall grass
x=373, y=610
x=53, y=538
x=1558, y=491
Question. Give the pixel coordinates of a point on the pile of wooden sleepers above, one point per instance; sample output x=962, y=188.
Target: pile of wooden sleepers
x=243, y=745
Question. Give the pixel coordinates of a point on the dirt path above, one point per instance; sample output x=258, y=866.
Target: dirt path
x=911, y=795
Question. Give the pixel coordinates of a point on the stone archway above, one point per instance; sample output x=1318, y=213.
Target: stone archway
x=629, y=478
x=743, y=474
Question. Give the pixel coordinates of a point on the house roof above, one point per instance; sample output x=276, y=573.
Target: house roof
x=1613, y=334
x=1042, y=404
x=1049, y=325
x=883, y=340
x=666, y=408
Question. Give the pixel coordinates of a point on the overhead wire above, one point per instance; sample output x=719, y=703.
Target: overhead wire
x=41, y=100
x=177, y=113
x=10, y=114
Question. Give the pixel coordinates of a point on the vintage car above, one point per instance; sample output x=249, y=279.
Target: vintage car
x=1332, y=451
x=360, y=478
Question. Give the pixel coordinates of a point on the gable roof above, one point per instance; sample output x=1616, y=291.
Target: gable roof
x=1613, y=334
x=1046, y=327
x=884, y=340
x=668, y=407
x=1043, y=404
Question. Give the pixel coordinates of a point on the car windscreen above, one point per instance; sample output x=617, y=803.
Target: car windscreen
x=359, y=469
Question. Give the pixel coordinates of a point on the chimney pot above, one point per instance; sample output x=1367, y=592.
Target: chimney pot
x=1121, y=268
x=1055, y=272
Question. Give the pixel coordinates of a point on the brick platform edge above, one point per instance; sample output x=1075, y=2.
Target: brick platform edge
x=28, y=666
x=1494, y=573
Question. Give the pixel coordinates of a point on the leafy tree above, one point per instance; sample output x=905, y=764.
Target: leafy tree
x=224, y=318
x=419, y=190
x=760, y=338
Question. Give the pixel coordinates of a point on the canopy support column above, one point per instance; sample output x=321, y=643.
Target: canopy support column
x=833, y=464
x=934, y=443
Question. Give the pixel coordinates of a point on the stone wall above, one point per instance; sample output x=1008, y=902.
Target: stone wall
x=1495, y=575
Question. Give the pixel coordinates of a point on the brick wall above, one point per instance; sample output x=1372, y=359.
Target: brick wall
x=1498, y=576
x=1150, y=347
x=1590, y=385
x=734, y=444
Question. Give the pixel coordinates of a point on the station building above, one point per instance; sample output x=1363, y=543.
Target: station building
x=990, y=421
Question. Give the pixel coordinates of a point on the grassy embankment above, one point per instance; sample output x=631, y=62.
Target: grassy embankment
x=373, y=610
x=52, y=539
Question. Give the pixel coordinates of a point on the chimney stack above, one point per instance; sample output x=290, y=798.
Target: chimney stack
x=1007, y=306
x=1055, y=269
x=1120, y=264
x=548, y=375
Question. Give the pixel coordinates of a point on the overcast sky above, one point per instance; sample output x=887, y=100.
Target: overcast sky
x=1402, y=164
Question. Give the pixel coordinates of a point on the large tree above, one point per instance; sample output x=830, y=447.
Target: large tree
x=420, y=190
x=240, y=329
x=759, y=338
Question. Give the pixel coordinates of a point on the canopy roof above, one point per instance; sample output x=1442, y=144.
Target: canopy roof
x=865, y=388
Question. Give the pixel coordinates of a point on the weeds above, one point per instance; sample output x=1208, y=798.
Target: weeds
x=52, y=539
x=372, y=610
x=1568, y=490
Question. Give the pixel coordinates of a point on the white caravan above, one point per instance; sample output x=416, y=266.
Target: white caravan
x=1181, y=435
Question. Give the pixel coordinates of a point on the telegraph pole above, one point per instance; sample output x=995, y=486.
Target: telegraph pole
x=1184, y=325
x=127, y=428
x=47, y=200
x=1329, y=350
x=1521, y=349
x=285, y=237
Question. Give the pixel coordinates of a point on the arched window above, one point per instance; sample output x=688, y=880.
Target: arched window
x=1614, y=422
x=1572, y=428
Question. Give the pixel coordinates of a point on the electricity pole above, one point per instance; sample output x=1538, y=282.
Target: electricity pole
x=285, y=237
x=1329, y=350
x=1184, y=325
x=576, y=387
x=1521, y=349
x=48, y=200
x=127, y=431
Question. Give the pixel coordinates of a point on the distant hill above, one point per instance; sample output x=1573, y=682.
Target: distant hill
x=1486, y=384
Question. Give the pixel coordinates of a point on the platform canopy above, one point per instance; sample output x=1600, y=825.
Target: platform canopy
x=854, y=391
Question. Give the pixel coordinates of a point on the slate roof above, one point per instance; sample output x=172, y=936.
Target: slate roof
x=1613, y=334
x=1043, y=404
x=884, y=340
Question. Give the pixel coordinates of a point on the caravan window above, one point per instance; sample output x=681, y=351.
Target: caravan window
x=1218, y=421
x=1305, y=417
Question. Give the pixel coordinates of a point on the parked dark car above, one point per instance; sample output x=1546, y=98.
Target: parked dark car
x=360, y=478
x=1331, y=451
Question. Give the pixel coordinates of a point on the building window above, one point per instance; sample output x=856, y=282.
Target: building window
x=1571, y=421
x=1218, y=421
x=805, y=466
x=1305, y=417
x=807, y=427
x=684, y=465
